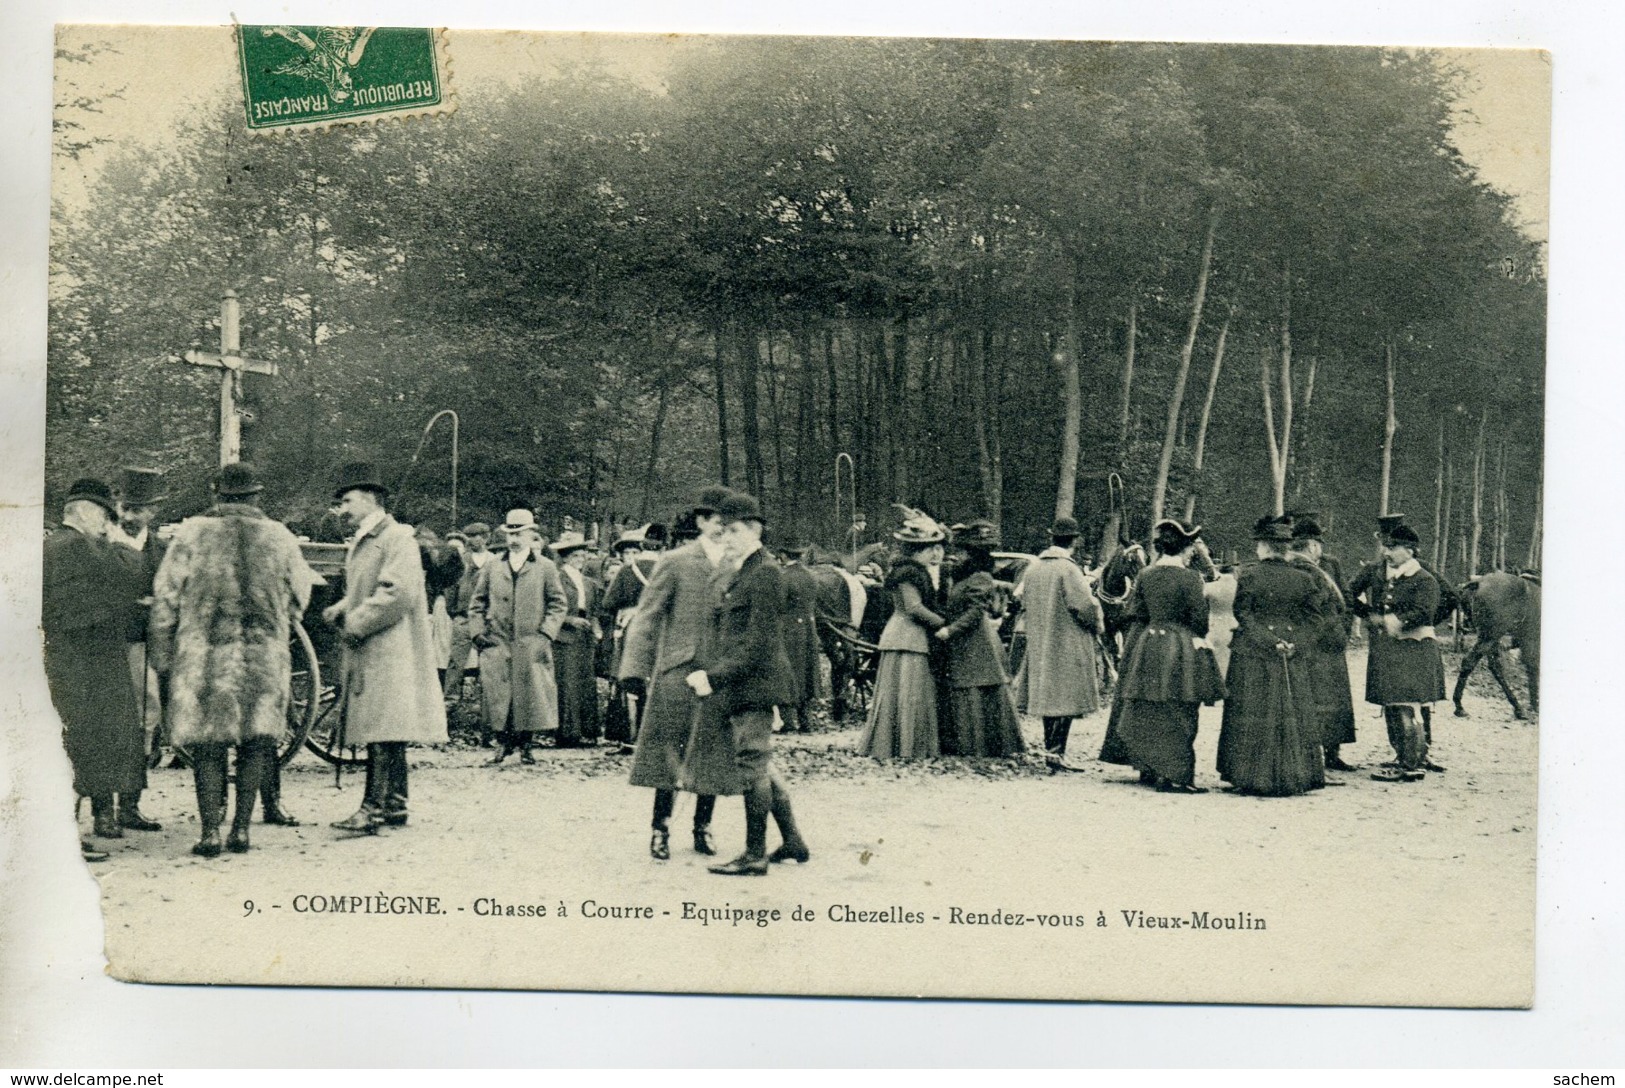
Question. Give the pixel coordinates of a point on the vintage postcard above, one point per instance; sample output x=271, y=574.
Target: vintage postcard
x=829, y=516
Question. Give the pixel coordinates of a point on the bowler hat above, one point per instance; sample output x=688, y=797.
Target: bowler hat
x=476, y=528
x=1275, y=530
x=90, y=489
x=237, y=480
x=1305, y=527
x=978, y=533
x=1402, y=534
x=709, y=499
x=519, y=519
x=359, y=476
x=740, y=507
x=654, y=533
x=1065, y=527
x=569, y=542
x=141, y=486
x=685, y=527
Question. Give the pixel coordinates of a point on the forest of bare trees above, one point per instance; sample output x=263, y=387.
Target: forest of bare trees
x=1001, y=276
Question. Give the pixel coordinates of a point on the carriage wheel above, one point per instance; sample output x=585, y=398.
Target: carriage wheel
x=308, y=697
x=325, y=737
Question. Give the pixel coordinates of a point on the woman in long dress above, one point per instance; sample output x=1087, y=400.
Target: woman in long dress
x=1169, y=671
x=1270, y=743
x=903, y=712
x=978, y=713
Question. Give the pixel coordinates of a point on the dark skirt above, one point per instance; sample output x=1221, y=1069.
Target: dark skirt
x=801, y=647
x=903, y=711
x=1334, y=697
x=1114, y=749
x=727, y=754
x=1270, y=743
x=578, y=692
x=981, y=722
x=1161, y=738
x=1402, y=670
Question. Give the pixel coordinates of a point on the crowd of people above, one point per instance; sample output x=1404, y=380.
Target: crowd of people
x=707, y=646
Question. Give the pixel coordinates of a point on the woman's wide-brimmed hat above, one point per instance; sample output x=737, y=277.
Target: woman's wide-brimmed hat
x=568, y=542
x=237, y=480
x=632, y=538
x=977, y=533
x=1273, y=530
x=1175, y=528
x=919, y=527
x=359, y=476
x=90, y=489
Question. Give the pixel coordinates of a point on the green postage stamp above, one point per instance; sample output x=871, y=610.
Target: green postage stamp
x=314, y=76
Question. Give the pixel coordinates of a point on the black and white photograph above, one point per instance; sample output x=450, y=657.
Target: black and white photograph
x=920, y=516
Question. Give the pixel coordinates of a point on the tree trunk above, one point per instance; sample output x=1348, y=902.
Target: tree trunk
x=1128, y=379
x=720, y=366
x=1176, y=399
x=1532, y=559
x=654, y=451
x=750, y=344
x=1068, y=362
x=777, y=420
x=985, y=428
x=1280, y=447
x=1449, y=510
x=1502, y=514
x=1438, y=500
x=1478, y=494
x=1207, y=416
x=1389, y=426
x=905, y=446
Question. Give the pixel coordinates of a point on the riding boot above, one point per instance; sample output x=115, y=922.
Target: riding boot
x=209, y=774
x=131, y=816
x=370, y=815
x=395, y=788
x=104, y=817
x=272, y=811
x=753, y=862
x=794, y=847
x=251, y=758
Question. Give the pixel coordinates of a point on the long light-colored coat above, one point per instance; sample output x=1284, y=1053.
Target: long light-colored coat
x=391, y=689
x=514, y=619
x=662, y=642
x=1058, y=676
x=224, y=601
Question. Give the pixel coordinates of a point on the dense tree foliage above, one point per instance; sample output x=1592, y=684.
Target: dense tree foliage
x=996, y=274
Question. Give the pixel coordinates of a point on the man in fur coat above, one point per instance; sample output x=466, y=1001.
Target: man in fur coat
x=225, y=599
x=391, y=686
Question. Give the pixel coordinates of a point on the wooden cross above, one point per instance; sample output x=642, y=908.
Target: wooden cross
x=231, y=366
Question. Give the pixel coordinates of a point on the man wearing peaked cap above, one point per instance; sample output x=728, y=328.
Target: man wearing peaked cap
x=88, y=593
x=391, y=685
x=741, y=676
x=140, y=492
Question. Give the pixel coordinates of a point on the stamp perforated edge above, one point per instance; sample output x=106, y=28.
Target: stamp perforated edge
x=446, y=105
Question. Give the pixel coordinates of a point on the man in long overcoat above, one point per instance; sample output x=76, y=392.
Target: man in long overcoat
x=800, y=636
x=515, y=617
x=741, y=677
x=1058, y=679
x=139, y=495
x=661, y=642
x=89, y=591
x=230, y=588
x=391, y=687
x=636, y=567
x=577, y=644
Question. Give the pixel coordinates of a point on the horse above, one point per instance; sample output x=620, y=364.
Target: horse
x=1501, y=604
x=839, y=611
x=1113, y=584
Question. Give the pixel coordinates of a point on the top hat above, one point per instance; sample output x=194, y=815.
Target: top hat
x=919, y=527
x=1065, y=527
x=141, y=486
x=1389, y=522
x=476, y=528
x=237, y=480
x=1402, y=534
x=569, y=542
x=1273, y=530
x=979, y=533
x=739, y=506
x=359, y=476
x=90, y=489
x=632, y=538
x=654, y=533
x=709, y=499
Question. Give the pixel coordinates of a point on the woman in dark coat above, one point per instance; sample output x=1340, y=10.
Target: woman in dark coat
x=978, y=715
x=903, y=712
x=1328, y=664
x=1270, y=742
x=1405, y=671
x=1169, y=671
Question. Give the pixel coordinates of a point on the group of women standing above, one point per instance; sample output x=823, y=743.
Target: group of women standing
x=941, y=686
